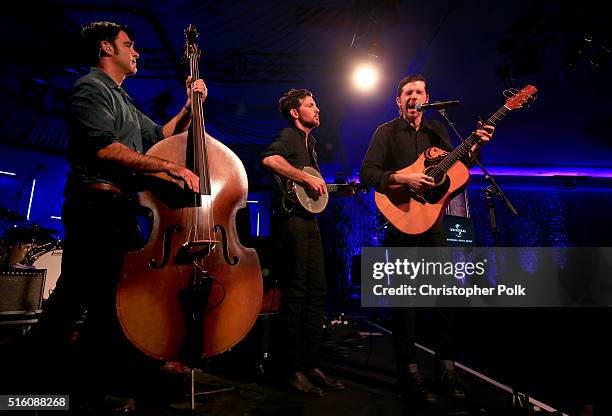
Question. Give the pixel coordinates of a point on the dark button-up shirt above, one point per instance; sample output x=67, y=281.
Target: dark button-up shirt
x=290, y=143
x=101, y=113
x=396, y=145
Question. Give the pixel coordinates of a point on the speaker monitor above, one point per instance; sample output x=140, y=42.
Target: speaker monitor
x=21, y=290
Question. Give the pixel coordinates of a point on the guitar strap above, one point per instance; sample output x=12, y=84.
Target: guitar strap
x=312, y=152
x=283, y=183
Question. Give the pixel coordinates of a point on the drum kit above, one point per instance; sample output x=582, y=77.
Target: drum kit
x=30, y=247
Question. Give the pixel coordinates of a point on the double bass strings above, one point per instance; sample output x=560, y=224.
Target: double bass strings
x=201, y=158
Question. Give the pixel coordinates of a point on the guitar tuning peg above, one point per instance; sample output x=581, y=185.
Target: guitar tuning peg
x=529, y=101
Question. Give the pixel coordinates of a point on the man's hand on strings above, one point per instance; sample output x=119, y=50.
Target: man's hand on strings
x=316, y=184
x=197, y=87
x=182, y=173
x=484, y=132
x=417, y=181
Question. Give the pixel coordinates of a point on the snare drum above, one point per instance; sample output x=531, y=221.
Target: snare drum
x=52, y=261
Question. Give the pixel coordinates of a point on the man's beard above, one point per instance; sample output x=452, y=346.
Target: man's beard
x=310, y=124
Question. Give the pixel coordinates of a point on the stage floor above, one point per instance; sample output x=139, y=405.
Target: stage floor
x=359, y=352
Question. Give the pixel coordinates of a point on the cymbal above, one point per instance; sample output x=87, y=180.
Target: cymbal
x=29, y=232
x=8, y=215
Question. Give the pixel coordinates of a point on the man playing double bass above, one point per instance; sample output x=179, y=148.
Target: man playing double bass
x=108, y=135
x=303, y=272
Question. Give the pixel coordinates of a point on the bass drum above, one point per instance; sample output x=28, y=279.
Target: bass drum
x=52, y=261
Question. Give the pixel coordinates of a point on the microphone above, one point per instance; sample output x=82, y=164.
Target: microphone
x=436, y=105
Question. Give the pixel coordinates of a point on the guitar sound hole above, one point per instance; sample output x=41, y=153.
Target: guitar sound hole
x=439, y=178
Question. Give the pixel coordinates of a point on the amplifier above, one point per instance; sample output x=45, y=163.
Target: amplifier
x=21, y=290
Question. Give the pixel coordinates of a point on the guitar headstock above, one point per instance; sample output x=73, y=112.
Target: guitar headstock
x=191, y=37
x=517, y=99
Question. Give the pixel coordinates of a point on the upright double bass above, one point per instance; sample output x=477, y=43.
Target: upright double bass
x=193, y=290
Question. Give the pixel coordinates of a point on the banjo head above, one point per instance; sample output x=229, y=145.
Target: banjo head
x=309, y=199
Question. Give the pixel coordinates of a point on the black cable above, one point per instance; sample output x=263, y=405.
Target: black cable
x=222, y=298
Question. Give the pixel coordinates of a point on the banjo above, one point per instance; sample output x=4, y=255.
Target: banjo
x=296, y=194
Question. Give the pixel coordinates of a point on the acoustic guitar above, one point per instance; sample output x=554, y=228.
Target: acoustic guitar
x=416, y=212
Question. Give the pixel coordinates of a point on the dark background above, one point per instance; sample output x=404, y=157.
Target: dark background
x=553, y=159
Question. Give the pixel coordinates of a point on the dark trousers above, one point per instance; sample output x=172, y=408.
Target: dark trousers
x=403, y=320
x=301, y=277
x=100, y=227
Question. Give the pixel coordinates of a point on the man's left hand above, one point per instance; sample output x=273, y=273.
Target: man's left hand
x=198, y=86
x=484, y=132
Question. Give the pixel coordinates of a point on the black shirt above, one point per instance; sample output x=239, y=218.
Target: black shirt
x=396, y=145
x=290, y=143
x=101, y=113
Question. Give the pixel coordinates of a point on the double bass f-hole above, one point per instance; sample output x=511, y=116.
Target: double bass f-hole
x=236, y=259
x=174, y=228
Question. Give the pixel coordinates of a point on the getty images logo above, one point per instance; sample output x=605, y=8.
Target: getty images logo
x=458, y=230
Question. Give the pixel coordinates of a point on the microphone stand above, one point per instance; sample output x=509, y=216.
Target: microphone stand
x=19, y=194
x=519, y=401
x=490, y=191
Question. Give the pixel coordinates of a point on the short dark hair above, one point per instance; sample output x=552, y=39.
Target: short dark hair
x=291, y=99
x=411, y=78
x=95, y=32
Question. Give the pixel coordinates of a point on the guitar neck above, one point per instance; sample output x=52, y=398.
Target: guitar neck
x=338, y=187
x=464, y=148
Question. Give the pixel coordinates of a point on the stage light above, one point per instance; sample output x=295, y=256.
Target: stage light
x=365, y=77
x=31, y=198
x=257, y=208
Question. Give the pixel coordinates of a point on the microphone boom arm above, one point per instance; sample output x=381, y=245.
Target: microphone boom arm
x=436, y=105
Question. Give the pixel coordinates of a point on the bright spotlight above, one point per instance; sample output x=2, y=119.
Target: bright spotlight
x=365, y=77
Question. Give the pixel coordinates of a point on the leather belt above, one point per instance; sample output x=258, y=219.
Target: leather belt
x=100, y=186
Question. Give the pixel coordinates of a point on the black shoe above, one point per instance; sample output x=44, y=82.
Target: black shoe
x=450, y=384
x=112, y=405
x=298, y=382
x=413, y=388
x=119, y=404
x=448, y=380
x=318, y=378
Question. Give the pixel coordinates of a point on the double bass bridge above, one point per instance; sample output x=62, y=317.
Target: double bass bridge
x=193, y=250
